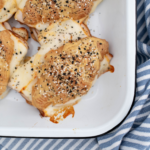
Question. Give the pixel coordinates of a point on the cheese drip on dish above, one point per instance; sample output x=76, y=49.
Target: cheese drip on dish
x=62, y=31
x=39, y=14
x=67, y=74
x=7, y=9
x=51, y=38
x=13, y=48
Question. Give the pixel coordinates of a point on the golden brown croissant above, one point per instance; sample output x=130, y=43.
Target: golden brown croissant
x=13, y=48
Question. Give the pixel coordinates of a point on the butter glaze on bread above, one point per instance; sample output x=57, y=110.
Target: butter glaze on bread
x=63, y=30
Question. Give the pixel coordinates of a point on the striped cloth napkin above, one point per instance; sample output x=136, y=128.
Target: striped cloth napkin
x=134, y=132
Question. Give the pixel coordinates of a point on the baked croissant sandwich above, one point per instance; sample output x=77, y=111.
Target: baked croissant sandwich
x=39, y=14
x=52, y=38
x=7, y=9
x=66, y=75
x=13, y=48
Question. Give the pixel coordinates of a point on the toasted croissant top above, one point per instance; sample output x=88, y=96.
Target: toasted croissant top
x=36, y=13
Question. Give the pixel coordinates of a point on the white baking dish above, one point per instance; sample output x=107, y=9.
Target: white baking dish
x=107, y=103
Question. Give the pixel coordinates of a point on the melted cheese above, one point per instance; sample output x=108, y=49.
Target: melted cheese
x=2, y=27
x=18, y=47
x=27, y=93
x=105, y=64
x=41, y=26
x=61, y=111
x=21, y=3
x=24, y=75
x=7, y=26
x=18, y=16
x=60, y=33
x=9, y=8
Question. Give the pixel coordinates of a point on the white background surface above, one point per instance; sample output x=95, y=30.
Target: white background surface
x=109, y=100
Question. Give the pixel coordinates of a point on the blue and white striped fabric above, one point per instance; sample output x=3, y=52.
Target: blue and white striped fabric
x=134, y=132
